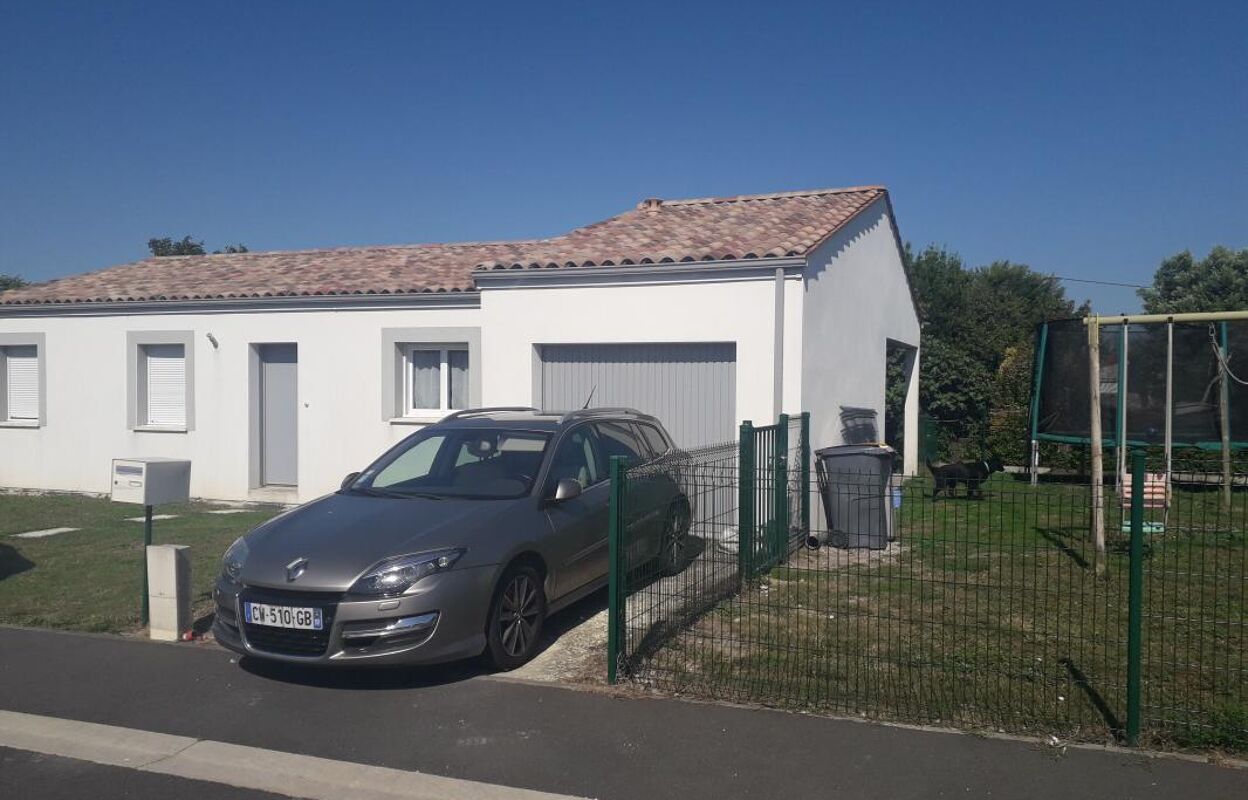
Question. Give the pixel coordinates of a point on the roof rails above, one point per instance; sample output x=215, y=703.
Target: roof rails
x=473, y=412
x=600, y=411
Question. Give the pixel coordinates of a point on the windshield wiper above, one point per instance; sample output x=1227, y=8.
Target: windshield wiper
x=420, y=495
x=371, y=492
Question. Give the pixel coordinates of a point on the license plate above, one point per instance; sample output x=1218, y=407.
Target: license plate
x=307, y=619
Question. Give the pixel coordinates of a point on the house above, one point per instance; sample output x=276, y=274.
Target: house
x=276, y=373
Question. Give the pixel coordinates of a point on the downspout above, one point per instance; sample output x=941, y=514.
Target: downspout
x=777, y=400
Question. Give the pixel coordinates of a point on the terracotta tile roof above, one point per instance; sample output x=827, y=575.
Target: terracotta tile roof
x=403, y=269
x=708, y=229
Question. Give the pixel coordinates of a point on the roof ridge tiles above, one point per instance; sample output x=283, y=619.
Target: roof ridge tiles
x=743, y=198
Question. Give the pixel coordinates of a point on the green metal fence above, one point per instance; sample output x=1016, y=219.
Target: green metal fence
x=746, y=511
x=982, y=611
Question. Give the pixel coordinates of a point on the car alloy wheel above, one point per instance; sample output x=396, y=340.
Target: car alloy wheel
x=518, y=616
x=517, y=613
x=675, y=539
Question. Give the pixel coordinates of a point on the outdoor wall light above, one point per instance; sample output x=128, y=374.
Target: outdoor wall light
x=213, y=339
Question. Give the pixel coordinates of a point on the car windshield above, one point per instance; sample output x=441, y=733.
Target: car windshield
x=478, y=463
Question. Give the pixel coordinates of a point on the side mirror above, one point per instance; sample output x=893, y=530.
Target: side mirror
x=567, y=489
x=347, y=481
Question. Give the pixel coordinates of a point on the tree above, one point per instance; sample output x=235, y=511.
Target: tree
x=1218, y=282
x=978, y=344
x=11, y=282
x=186, y=246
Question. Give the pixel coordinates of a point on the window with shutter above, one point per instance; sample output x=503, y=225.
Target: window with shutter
x=165, y=366
x=22, y=382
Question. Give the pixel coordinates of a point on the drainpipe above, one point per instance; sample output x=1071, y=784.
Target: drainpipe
x=778, y=389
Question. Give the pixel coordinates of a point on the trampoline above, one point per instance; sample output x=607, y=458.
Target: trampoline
x=1163, y=382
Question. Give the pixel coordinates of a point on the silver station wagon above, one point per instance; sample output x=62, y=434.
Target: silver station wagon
x=458, y=541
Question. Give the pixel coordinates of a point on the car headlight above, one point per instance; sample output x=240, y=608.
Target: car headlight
x=234, y=558
x=397, y=575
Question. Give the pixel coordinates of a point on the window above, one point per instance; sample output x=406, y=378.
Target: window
x=618, y=440
x=163, y=370
x=486, y=464
x=411, y=465
x=428, y=372
x=436, y=379
x=21, y=384
x=160, y=381
x=654, y=438
x=577, y=458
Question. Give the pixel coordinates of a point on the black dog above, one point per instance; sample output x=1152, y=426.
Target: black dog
x=968, y=473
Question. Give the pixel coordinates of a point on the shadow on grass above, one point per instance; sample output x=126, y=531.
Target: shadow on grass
x=671, y=606
x=1057, y=538
x=12, y=562
x=1094, y=697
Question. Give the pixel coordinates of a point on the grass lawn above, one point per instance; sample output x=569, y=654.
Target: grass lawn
x=90, y=579
x=988, y=614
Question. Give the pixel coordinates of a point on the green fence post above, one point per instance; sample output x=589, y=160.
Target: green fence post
x=780, y=532
x=1135, y=599
x=615, y=572
x=804, y=471
x=147, y=542
x=745, y=503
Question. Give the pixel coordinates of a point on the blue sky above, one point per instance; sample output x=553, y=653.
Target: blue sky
x=1088, y=140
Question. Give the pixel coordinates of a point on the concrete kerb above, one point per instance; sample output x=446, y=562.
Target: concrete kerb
x=287, y=774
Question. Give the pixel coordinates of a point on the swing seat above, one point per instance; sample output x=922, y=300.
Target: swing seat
x=1156, y=497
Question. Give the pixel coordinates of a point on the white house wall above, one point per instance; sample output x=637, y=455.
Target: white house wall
x=742, y=311
x=837, y=317
x=340, y=396
x=856, y=299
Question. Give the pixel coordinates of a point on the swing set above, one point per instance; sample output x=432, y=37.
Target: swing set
x=1159, y=381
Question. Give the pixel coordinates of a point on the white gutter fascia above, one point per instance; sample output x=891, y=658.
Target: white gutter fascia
x=678, y=272
x=240, y=305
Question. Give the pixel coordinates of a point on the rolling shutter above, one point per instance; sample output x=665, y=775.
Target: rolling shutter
x=166, y=384
x=22, y=380
x=691, y=387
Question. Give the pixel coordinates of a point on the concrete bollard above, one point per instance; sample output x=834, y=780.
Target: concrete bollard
x=169, y=590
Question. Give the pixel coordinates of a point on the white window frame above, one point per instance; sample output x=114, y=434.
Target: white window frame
x=137, y=379
x=23, y=340
x=444, y=378
x=145, y=411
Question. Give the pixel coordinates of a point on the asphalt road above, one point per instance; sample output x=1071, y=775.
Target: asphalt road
x=32, y=776
x=456, y=722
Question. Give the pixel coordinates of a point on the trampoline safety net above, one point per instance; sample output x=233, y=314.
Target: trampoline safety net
x=1061, y=410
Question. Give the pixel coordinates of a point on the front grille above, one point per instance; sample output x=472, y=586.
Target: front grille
x=287, y=641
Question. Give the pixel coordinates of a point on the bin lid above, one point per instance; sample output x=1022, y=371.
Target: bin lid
x=855, y=450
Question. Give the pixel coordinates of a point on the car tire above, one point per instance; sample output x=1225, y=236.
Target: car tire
x=675, y=540
x=517, y=613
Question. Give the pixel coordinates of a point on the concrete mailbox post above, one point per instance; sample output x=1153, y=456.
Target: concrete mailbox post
x=153, y=482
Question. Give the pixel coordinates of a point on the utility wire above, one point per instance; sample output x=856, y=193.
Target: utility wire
x=1102, y=283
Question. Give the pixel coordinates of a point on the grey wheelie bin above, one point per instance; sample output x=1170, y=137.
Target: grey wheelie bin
x=857, y=496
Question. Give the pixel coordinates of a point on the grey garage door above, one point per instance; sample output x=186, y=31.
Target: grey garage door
x=691, y=386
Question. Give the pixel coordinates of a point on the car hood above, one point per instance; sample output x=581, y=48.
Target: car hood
x=342, y=535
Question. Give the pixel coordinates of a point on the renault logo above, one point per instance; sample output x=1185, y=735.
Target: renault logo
x=296, y=568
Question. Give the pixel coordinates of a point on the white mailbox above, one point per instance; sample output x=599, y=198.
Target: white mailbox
x=151, y=481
